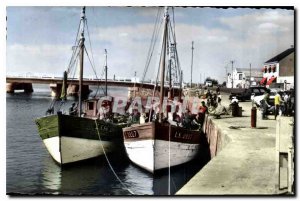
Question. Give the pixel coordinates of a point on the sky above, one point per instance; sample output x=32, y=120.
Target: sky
x=40, y=38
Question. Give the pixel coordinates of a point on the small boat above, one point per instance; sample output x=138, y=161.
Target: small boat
x=81, y=134
x=158, y=145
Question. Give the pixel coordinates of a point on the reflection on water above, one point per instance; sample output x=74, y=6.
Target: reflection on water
x=31, y=170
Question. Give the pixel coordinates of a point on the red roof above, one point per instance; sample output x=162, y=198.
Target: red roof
x=271, y=80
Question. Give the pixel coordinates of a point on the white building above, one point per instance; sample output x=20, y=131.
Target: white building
x=244, y=78
x=279, y=71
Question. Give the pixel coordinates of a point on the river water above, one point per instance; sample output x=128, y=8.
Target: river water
x=31, y=170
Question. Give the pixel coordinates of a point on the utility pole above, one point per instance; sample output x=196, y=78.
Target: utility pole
x=226, y=75
x=231, y=73
x=105, y=67
x=134, y=89
x=250, y=74
x=192, y=63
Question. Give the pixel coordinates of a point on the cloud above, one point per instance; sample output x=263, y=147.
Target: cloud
x=253, y=37
x=281, y=20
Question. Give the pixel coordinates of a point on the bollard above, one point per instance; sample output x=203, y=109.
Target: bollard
x=253, y=117
x=235, y=109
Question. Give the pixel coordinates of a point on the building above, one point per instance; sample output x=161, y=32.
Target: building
x=244, y=78
x=278, y=72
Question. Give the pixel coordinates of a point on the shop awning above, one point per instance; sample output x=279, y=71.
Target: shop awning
x=263, y=81
x=271, y=80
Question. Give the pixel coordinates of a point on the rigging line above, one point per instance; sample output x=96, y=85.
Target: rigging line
x=75, y=45
x=177, y=69
x=109, y=162
x=155, y=86
x=174, y=36
x=51, y=105
x=150, y=47
x=87, y=28
x=157, y=30
x=73, y=63
x=152, y=44
x=152, y=54
x=92, y=66
x=173, y=16
x=99, y=86
x=74, y=56
x=169, y=160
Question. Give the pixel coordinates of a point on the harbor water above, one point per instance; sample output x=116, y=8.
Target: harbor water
x=30, y=169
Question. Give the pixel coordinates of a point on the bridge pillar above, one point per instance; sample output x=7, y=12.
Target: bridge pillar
x=11, y=87
x=74, y=88
x=55, y=90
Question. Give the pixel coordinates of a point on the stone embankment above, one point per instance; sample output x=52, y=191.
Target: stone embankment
x=245, y=160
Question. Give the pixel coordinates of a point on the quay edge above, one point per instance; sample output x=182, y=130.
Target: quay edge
x=245, y=160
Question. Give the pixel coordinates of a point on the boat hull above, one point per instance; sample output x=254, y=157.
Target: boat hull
x=71, y=139
x=154, y=146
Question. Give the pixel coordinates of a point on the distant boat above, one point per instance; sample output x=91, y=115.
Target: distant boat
x=158, y=145
x=82, y=135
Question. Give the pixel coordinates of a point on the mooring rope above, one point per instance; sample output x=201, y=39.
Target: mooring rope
x=169, y=180
x=112, y=169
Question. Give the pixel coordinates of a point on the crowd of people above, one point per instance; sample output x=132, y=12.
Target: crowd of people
x=211, y=104
x=284, y=104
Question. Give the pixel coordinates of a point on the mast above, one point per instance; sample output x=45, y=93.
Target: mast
x=162, y=63
x=192, y=62
x=81, y=45
x=180, y=84
x=170, y=72
x=105, y=68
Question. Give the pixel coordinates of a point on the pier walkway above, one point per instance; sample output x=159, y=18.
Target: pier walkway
x=247, y=160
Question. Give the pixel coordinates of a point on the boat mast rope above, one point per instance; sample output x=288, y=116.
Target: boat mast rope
x=152, y=43
x=94, y=70
x=112, y=169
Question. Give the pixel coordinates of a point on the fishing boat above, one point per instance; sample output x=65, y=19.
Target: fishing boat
x=81, y=134
x=157, y=145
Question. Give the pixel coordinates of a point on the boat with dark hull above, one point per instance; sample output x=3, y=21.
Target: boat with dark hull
x=158, y=145
x=82, y=134
x=70, y=138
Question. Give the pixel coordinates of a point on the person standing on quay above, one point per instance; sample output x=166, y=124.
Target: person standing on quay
x=277, y=101
x=265, y=105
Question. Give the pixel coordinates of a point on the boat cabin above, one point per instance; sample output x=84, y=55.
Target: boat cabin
x=90, y=107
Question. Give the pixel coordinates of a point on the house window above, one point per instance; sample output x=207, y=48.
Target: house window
x=91, y=105
x=269, y=69
x=274, y=69
x=240, y=76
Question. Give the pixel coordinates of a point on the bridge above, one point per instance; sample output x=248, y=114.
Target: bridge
x=25, y=83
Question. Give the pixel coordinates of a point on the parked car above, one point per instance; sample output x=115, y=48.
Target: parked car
x=245, y=94
x=257, y=99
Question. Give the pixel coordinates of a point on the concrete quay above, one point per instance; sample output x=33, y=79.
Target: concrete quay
x=245, y=160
